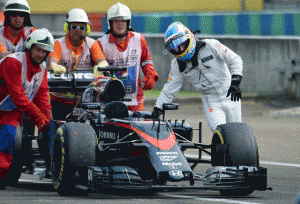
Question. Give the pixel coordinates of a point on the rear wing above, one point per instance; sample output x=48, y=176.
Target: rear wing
x=78, y=80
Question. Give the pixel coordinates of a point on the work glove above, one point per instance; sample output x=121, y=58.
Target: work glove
x=39, y=118
x=234, y=88
x=47, y=113
x=149, y=82
x=57, y=69
x=100, y=64
x=41, y=121
x=156, y=112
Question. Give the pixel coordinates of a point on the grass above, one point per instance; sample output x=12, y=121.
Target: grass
x=154, y=93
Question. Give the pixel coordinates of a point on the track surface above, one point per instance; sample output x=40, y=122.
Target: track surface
x=277, y=137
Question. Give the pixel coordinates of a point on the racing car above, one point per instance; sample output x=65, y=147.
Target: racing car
x=103, y=144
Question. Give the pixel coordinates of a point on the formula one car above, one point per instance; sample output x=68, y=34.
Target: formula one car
x=103, y=144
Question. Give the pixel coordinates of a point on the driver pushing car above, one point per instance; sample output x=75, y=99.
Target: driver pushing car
x=24, y=90
x=211, y=67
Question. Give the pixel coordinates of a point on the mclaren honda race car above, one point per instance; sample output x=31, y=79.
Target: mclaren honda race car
x=103, y=144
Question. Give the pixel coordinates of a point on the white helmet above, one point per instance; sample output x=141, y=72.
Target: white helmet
x=118, y=12
x=77, y=15
x=17, y=5
x=42, y=38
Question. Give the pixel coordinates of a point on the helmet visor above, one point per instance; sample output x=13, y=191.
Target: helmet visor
x=180, y=48
x=44, y=47
x=175, y=41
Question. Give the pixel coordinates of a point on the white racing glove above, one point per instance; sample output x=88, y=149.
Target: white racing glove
x=100, y=64
x=57, y=69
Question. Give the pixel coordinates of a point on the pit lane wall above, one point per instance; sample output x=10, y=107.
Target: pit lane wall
x=267, y=42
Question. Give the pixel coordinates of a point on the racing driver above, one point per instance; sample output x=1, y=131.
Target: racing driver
x=211, y=67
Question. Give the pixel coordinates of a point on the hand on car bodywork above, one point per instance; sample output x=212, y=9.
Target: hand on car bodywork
x=41, y=121
x=57, y=69
x=156, y=112
x=100, y=64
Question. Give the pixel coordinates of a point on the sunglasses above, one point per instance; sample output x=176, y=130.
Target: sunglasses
x=76, y=27
x=15, y=14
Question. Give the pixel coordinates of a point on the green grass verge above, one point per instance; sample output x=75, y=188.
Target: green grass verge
x=154, y=93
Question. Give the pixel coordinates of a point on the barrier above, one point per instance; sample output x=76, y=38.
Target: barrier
x=262, y=54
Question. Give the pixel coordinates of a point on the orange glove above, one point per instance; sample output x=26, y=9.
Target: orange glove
x=47, y=113
x=39, y=119
x=149, y=82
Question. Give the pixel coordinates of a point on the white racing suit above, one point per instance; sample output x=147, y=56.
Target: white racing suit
x=209, y=71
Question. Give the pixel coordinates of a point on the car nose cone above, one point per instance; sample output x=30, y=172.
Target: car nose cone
x=176, y=174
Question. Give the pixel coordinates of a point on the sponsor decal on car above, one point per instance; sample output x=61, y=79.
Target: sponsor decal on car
x=64, y=76
x=107, y=135
x=176, y=173
x=172, y=163
x=167, y=158
x=160, y=153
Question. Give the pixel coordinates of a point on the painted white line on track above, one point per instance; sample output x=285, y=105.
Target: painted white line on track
x=280, y=164
x=32, y=181
x=207, y=199
x=262, y=162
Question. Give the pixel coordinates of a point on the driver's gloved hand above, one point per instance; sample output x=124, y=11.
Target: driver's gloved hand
x=234, y=89
x=57, y=69
x=156, y=112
